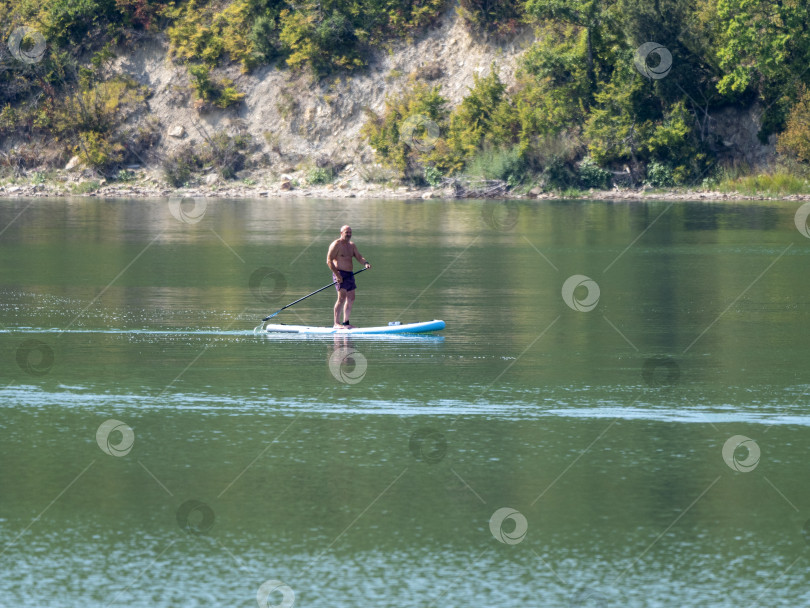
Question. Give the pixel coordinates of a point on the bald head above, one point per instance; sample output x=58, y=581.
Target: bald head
x=346, y=232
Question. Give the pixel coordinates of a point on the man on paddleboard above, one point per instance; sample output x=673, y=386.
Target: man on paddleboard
x=340, y=259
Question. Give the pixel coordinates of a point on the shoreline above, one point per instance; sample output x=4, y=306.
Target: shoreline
x=147, y=186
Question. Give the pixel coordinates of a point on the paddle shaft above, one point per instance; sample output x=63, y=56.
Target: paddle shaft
x=306, y=296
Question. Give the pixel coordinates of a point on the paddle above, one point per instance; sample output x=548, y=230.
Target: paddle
x=305, y=297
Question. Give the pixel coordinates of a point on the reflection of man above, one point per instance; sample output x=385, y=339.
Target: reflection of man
x=340, y=260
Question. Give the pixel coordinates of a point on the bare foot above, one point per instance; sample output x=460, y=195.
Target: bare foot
x=338, y=326
x=349, y=326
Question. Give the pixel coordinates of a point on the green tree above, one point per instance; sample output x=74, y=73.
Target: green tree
x=593, y=16
x=764, y=49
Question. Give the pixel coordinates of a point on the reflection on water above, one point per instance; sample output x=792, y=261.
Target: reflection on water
x=616, y=414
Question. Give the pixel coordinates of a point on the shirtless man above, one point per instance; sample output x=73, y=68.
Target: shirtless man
x=340, y=260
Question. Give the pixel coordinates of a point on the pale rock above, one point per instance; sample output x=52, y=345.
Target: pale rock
x=211, y=179
x=73, y=163
x=177, y=131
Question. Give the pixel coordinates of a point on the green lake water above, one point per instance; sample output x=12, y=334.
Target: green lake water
x=617, y=413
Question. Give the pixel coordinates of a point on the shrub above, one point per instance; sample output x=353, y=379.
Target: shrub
x=66, y=22
x=85, y=187
x=101, y=107
x=376, y=174
x=226, y=152
x=430, y=71
x=795, y=140
x=476, y=122
x=98, y=151
x=179, y=166
x=320, y=175
x=592, y=175
x=335, y=33
x=433, y=177
x=506, y=164
x=660, y=175
x=498, y=17
x=220, y=93
x=264, y=38
x=418, y=110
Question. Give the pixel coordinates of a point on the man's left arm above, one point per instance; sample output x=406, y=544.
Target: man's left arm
x=360, y=258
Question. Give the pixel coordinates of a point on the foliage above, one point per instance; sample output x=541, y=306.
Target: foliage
x=479, y=120
x=660, y=175
x=98, y=151
x=499, y=17
x=506, y=164
x=179, y=166
x=220, y=92
x=795, y=141
x=320, y=175
x=778, y=183
x=433, y=177
x=227, y=152
x=614, y=129
x=324, y=36
x=592, y=175
x=577, y=91
x=65, y=22
x=424, y=107
x=763, y=49
x=85, y=187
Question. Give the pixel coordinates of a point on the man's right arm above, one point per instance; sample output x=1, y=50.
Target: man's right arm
x=330, y=262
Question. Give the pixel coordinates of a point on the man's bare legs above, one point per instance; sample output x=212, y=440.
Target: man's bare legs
x=347, y=308
x=339, y=305
x=344, y=303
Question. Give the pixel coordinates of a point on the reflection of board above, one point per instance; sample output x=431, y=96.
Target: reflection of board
x=405, y=328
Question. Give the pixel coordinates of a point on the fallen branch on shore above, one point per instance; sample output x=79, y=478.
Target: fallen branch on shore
x=481, y=188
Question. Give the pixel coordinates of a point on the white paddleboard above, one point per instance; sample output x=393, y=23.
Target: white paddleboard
x=404, y=328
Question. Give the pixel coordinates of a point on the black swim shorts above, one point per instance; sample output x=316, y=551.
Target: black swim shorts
x=348, y=281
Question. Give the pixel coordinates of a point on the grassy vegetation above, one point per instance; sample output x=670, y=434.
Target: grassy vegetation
x=767, y=184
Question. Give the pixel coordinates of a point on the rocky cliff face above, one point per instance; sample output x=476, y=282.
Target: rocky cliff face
x=297, y=119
